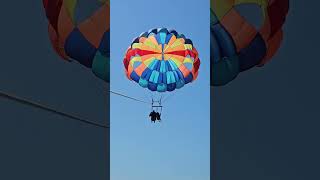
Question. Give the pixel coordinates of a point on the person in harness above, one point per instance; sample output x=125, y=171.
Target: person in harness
x=158, y=115
x=153, y=116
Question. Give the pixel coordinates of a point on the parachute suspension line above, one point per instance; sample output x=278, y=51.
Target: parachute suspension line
x=156, y=98
x=152, y=104
x=49, y=109
x=151, y=95
x=160, y=110
x=135, y=99
x=161, y=103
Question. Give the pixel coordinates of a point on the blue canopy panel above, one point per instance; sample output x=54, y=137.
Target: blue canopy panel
x=101, y=61
x=253, y=54
x=79, y=48
x=104, y=47
x=223, y=56
x=101, y=66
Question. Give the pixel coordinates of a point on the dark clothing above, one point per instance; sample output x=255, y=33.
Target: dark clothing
x=158, y=116
x=153, y=116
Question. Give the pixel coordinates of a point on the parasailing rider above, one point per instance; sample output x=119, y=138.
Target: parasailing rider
x=153, y=116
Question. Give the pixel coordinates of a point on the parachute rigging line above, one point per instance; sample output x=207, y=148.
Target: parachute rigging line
x=46, y=108
x=119, y=94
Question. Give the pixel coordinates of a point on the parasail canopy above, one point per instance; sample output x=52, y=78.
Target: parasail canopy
x=236, y=45
x=87, y=40
x=161, y=60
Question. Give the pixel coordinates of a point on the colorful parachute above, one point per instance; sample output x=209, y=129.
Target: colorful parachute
x=237, y=45
x=162, y=60
x=86, y=41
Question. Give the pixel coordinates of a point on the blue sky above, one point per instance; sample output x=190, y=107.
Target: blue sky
x=179, y=147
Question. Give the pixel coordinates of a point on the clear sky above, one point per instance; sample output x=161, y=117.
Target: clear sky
x=178, y=148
